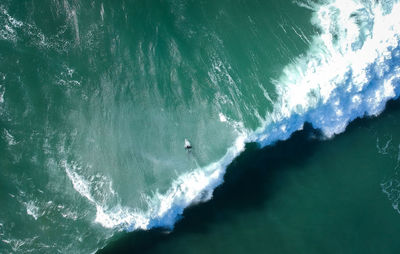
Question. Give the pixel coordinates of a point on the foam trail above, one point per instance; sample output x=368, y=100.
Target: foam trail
x=351, y=70
x=75, y=20
x=1, y=95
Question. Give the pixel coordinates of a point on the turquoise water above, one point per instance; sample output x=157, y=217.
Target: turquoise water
x=299, y=196
x=97, y=98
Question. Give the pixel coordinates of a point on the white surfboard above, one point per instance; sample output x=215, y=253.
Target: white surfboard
x=187, y=144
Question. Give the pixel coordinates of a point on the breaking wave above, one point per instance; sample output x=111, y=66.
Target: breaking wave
x=350, y=70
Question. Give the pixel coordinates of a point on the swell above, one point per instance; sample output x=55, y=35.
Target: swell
x=350, y=71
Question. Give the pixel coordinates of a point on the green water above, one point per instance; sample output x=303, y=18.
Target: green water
x=97, y=98
x=300, y=196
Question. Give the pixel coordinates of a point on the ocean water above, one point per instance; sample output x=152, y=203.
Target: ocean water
x=97, y=98
x=302, y=195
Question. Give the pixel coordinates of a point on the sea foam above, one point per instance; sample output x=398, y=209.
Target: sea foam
x=350, y=70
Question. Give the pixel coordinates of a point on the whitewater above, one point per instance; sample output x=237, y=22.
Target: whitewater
x=350, y=71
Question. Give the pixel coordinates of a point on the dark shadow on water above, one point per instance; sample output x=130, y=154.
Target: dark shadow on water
x=250, y=181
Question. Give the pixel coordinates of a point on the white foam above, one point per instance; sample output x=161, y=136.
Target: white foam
x=10, y=138
x=80, y=184
x=105, y=215
x=7, y=32
x=32, y=209
x=222, y=117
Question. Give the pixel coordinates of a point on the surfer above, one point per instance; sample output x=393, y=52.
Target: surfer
x=188, y=146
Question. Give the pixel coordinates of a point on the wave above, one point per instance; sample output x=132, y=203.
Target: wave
x=350, y=70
